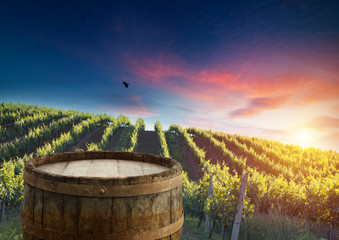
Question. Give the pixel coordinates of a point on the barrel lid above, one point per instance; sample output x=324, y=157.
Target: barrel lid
x=103, y=168
x=98, y=174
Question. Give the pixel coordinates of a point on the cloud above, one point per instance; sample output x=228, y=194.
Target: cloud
x=227, y=81
x=330, y=141
x=155, y=70
x=273, y=132
x=263, y=90
x=131, y=106
x=258, y=105
x=133, y=111
x=200, y=122
x=324, y=123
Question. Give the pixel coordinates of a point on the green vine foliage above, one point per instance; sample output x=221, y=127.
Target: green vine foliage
x=11, y=181
x=284, y=178
x=273, y=186
x=195, y=195
x=162, y=140
x=198, y=153
x=11, y=184
x=139, y=126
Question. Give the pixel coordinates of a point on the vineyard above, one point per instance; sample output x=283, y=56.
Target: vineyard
x=284, y=179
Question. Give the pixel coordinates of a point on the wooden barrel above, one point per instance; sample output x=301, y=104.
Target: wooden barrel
x=102, y=195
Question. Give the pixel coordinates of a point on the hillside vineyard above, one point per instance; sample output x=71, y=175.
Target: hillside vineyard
x=285, y=178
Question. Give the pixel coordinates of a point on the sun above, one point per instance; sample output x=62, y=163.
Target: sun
x=303, y=138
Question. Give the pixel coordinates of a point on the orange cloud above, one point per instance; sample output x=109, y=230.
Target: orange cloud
x=172, y=76
x=226, y=80
x=330, y=141
x=132, y=111
x=131, y=106
x=262, y=90
x=324, y=123
x=258, y=105
x=200, y=122
x=257, y=86
x=154, y=70
x=140, y=111
x=323, y=90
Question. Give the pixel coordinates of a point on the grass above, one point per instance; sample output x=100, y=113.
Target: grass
x=277, y=227
x=11, y=229
x=260, y=227
x=10, y=133
x=190, y=224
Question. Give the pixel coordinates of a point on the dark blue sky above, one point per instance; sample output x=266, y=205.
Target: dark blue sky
x=257, y=68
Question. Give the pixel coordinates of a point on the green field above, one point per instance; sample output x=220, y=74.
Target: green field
x=289, y=189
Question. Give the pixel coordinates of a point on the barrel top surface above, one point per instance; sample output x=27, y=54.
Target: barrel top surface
x=107, y=168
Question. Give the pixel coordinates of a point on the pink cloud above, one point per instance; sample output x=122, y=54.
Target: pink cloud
x=175, y=77
x=259, y=86
x=200, y=122
x=330, y=141
x=262, y=90
x=141, y=111
x=132, y=111
x=154, y=70
x=258, y=105
x=131, y=106
x=226, y=80
x=134, y=100
x=324, y=123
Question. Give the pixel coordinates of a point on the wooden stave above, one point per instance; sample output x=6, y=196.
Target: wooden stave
x=57, y=223
x=176, y=213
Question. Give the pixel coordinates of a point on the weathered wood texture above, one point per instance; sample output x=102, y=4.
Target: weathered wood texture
x=103, y=168
x=52, y=214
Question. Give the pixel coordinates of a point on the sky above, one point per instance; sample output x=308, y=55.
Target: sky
x=267, y=69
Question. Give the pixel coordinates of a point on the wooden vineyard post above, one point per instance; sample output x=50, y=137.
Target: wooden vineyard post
x=237, y=220
x=210, y=193
x=2, y=211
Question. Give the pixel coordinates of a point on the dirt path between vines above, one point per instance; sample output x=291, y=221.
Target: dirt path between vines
x=212, y=154
x=148, y=143
x=114, y=139
x=186, y=235
x=92, y=137
x=182, y=153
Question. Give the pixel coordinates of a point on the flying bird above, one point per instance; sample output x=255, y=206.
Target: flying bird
x=126, y=84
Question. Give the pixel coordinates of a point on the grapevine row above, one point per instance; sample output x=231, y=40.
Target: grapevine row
x=11, y=182
x=109, y=132
x=254, y=160
x=198, y=153
x=66, y=140
x=162, y=140
x=9, y=113
x=304, y=162
x=139, y=126
x=35, y=136
x=314, y=200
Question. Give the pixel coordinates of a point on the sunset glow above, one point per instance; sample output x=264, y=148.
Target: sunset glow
x=303, y=138
x=267, y=70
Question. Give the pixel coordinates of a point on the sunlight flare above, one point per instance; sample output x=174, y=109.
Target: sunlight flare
x=303, y=138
